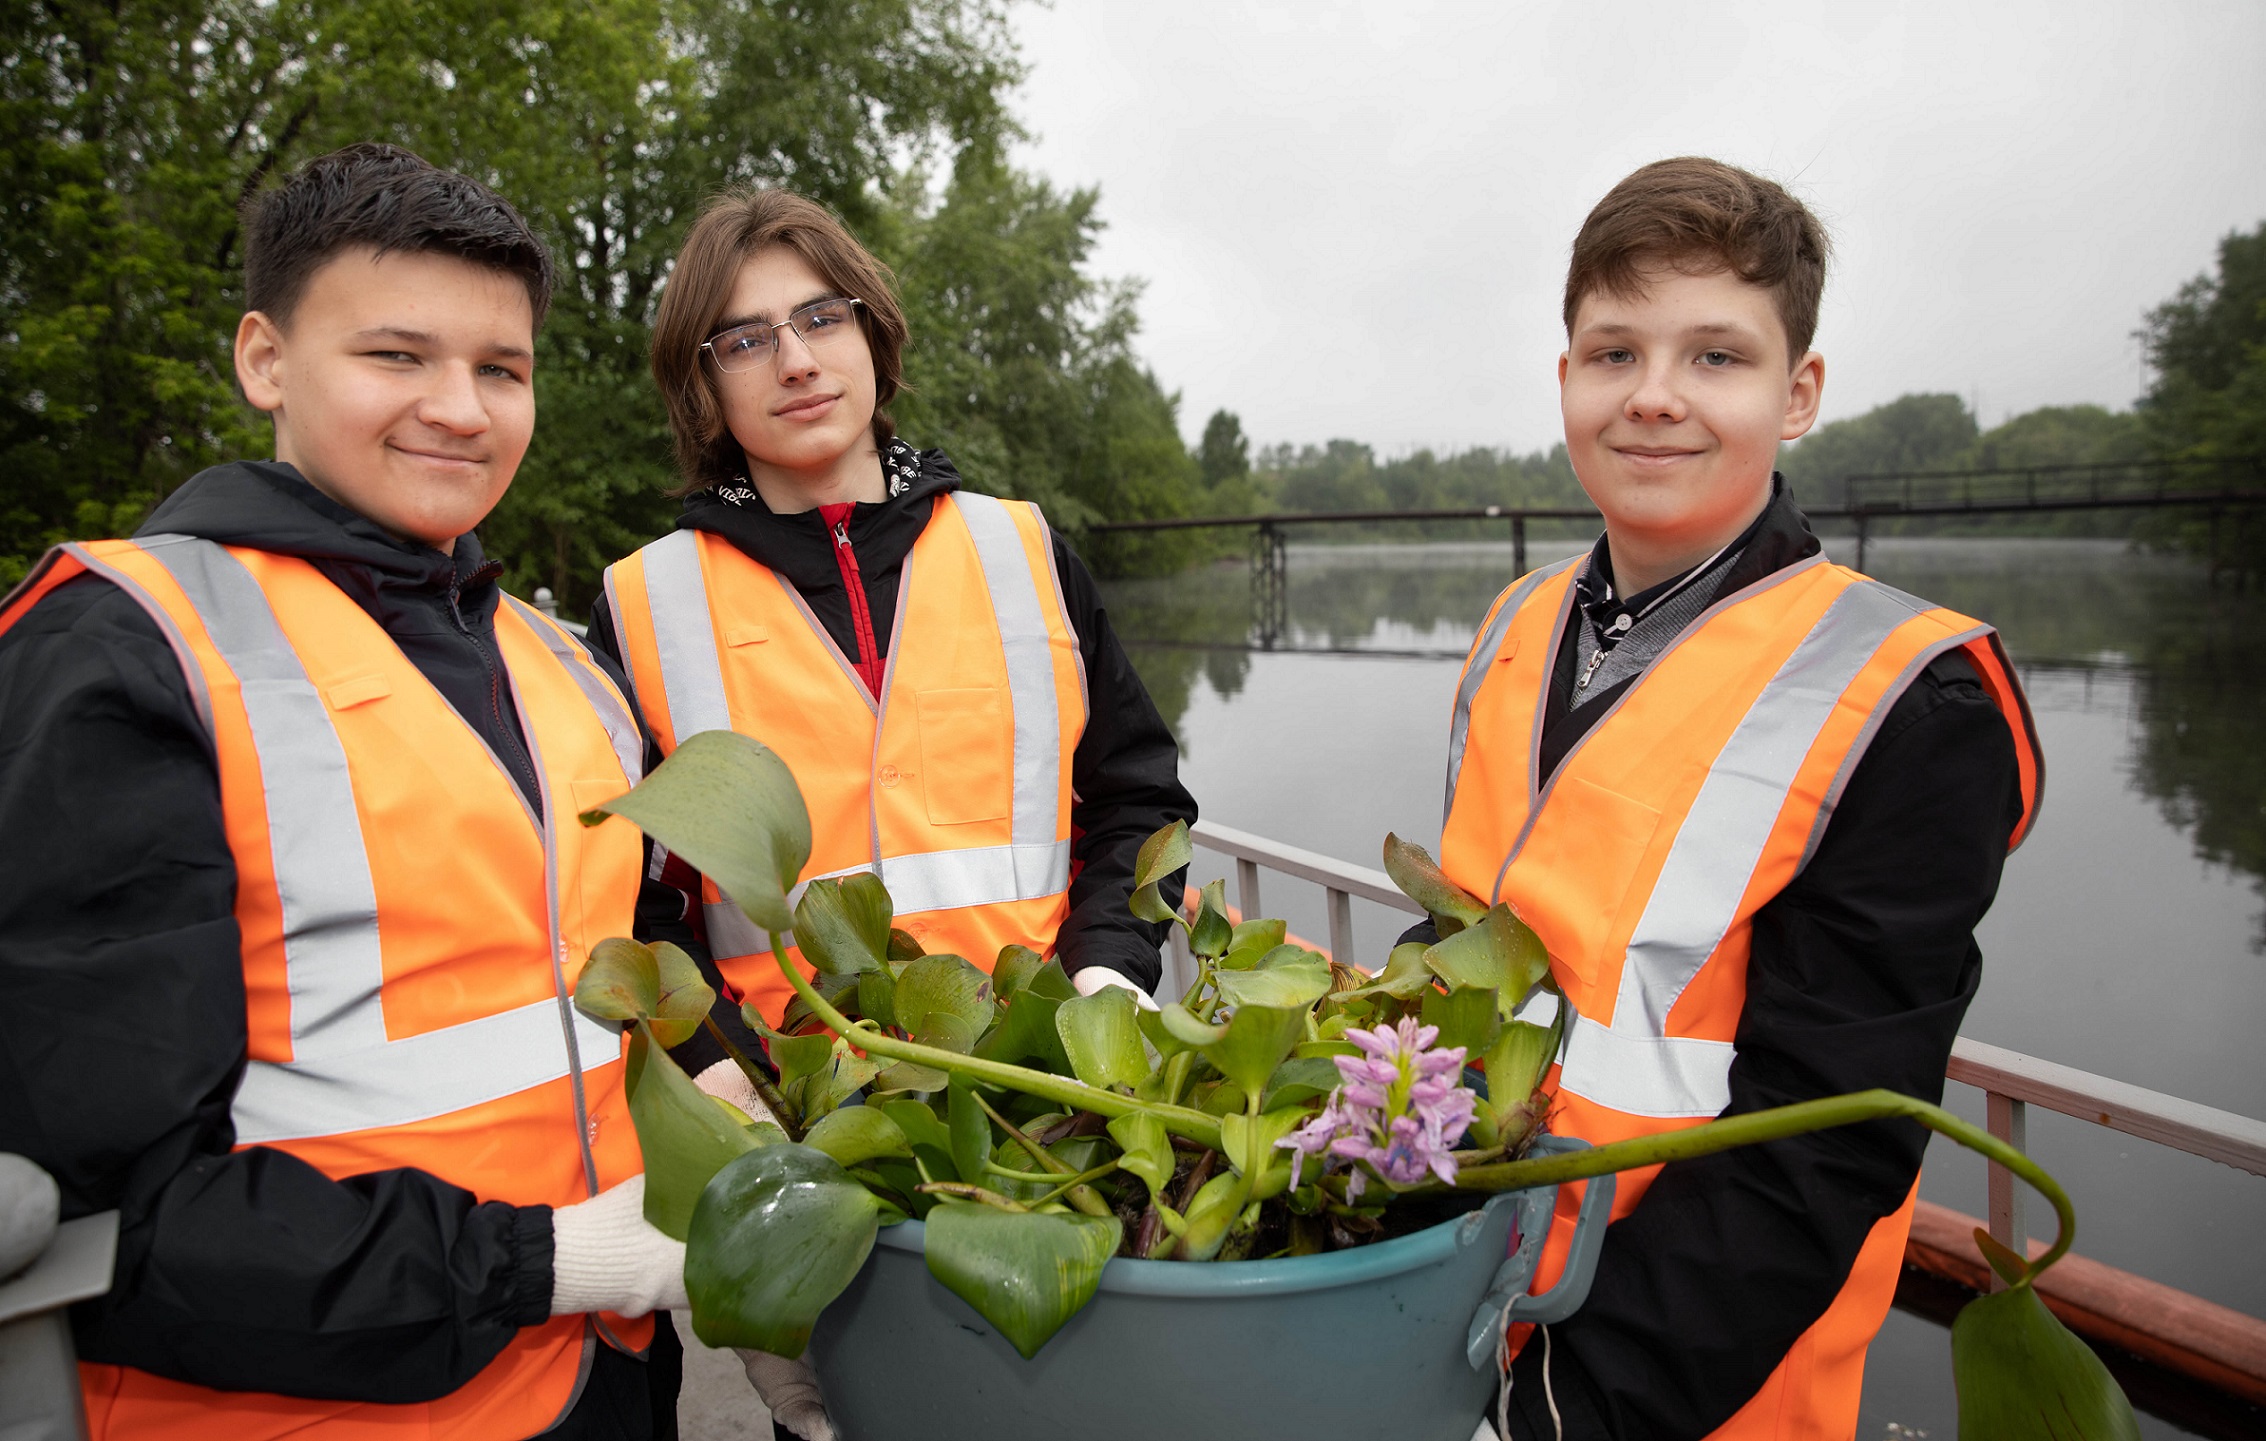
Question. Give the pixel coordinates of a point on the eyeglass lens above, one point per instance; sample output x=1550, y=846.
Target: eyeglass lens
x=746, y=346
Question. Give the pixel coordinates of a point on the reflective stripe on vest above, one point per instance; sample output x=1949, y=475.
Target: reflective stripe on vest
x=1691, y=802
x=344, y=1074
x=410, y=935
x=670, y=594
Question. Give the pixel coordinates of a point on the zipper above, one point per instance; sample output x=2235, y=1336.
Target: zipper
x=868, y=663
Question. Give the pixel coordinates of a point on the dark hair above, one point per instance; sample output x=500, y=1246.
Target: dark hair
x=386, y=198
x=734, y=227
x=1700, y=216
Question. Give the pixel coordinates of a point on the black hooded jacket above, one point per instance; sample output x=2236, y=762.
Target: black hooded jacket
x=1125, y=774
x=1859, y=974
x=122, y=1030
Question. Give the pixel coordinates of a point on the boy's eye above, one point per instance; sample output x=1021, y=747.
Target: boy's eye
x=1715, y=357
x=1616, y=356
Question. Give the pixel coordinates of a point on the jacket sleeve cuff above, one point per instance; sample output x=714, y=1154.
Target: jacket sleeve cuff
x=532, y=1247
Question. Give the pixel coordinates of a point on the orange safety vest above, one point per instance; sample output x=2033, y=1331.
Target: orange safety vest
x=411, y=937
x=1642, y=860
x=953, y=785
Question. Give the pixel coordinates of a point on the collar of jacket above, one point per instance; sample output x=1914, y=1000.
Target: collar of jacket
x=267, y=505
x=798, y=546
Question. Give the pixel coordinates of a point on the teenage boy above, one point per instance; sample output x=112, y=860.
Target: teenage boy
x=1755, y=804
x=297, y=897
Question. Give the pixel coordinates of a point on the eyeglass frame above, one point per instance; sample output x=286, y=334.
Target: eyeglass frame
x=775, y=327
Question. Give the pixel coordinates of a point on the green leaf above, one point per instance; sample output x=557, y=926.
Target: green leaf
x=1405, y=976
x=730, y=807
x=1212, y=931
x=620, y=982
x=1145, y=1150
x=1162, y=854
x=1028, y=1033
x=911, y=1076
x=1180, y=1023
x=777, y=1235
x=1210, y=1215
x=854, y=1135
x=685, y=1000
x=1289, y=976
x=903, y=947
x=1015, y=968
x=1301, y=1079
x=842, y=925
x=1466, y=1017
x=2004, y=1259
x=2022, y=1376
x=942, y=1000
x=685, y=1138
x=1257, y=1039
x=1422, y=881
x=1153, y=1027
x=877, y=996
x=1497, y=952
x=918, y=1122
x=1249, y=1144
x=1251, y=940
x=844, y=1075
x=1517, y=1062
x=969, y=1130
x=1101, y=1038
x=1027, y=1274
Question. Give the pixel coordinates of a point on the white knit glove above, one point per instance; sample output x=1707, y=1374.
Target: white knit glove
x=727, y=1082
x=1094, y=978
x=790, y=1392
x=606, y=1256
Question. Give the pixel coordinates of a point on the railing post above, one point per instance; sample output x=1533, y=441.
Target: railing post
x=2009, y=1120
x=1181, y=971
x=1518, y=546
x=1247, y=888
x=1341, y=927
x=1864, y=524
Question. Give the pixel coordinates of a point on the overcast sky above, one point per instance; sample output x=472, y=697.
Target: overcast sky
x=1353, y=218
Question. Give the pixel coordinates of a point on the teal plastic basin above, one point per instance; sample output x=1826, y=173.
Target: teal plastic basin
x=1391, y=1340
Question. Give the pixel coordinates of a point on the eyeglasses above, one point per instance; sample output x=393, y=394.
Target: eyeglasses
x=744, y=347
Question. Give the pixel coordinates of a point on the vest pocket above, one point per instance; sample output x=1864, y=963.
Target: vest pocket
x=967, y=754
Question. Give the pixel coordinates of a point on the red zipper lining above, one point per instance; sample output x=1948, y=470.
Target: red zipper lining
x=869, y=663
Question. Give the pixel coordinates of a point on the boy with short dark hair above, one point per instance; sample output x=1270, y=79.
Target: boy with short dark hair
x=296, y=897
x=1755, y=804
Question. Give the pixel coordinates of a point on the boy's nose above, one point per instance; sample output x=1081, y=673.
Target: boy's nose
x=1655, y=396
x=454, y=403
x=794, y=359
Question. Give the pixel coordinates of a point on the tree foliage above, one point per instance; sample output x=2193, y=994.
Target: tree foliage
x=135, y=128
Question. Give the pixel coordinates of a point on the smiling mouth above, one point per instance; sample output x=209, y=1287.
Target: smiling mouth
x=807, y=405
x=441, y=457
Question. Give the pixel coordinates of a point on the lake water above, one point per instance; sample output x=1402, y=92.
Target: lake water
x=2129, y=936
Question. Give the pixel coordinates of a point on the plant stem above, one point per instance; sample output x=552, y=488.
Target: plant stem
x=1077, y=1181
x=1081, y=1196
x=1772, y=1125
x=967, y=1192
x=1180, y=1120
x=757, y=1077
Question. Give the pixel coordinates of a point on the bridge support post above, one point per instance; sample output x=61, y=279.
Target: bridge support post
x=1518, y=546
x=1270, y=586
x=1864, y=526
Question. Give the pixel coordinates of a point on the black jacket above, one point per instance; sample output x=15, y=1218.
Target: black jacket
x=122, y=1031
x=1859, y=974
x=1125, y=774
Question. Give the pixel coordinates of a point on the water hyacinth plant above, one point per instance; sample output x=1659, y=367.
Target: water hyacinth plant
x=1286, y=1105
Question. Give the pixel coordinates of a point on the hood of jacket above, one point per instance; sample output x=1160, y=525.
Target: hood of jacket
x=440, y=609
x=798, y=547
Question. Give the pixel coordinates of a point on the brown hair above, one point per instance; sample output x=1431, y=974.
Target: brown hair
x=735, y=226
x=388, y=199
x=1700, y=216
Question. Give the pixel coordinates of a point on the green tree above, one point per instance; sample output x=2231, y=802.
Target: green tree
x=1223, y=454
x=136, y=127
x=1909, y=433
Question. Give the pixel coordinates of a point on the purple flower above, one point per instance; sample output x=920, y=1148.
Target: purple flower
x=1399, y=1110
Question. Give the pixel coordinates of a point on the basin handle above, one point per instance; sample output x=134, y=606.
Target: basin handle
x=1565, y=1298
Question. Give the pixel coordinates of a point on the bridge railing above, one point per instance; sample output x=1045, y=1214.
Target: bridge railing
x=2052, y=487
x=2010, y=1082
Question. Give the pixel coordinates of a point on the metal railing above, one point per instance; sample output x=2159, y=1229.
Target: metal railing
x=2010, y=1082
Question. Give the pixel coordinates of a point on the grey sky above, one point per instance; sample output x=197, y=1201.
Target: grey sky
x=1353, y=218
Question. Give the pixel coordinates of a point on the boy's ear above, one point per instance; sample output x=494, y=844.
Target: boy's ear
x=259, y=360
x=1805, y=391
x=1564, y=358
